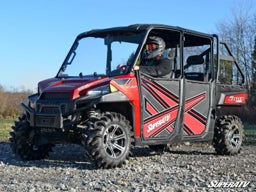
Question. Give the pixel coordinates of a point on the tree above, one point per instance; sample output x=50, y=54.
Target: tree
x=239, y=34
x=10, y=102
x=253, y=89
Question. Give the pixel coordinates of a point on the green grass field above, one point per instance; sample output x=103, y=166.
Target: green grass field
x=250, y=134
x=5, y=128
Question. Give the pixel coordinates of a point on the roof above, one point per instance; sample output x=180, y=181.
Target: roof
x=138, y=28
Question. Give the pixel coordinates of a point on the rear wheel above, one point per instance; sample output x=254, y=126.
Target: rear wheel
x=109, y=140
x=228, y=135
x=22, y=142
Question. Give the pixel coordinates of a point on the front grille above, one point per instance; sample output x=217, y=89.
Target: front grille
x=45, y=121
x=55, y=96
x=48, y=121
x=50, y=110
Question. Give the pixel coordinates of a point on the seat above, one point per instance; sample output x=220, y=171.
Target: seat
x=194, y=60
x=194, y=76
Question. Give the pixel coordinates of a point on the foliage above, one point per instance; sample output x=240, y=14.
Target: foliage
x=5, y=127
x=253, y=87
x=239, y=33
x=10, y=103
x=225, y=75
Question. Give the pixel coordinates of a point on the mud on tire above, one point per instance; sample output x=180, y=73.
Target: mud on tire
x=21, y=142
x=228, y=135
x=109, y=140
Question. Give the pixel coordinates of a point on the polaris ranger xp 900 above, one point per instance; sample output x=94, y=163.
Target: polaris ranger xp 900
x=101, y=100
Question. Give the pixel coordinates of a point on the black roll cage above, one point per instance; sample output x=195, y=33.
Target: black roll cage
x=193, y=38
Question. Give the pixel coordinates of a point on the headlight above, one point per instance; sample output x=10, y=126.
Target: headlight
x=32, y=100
x=32, y=105
x=99, y=91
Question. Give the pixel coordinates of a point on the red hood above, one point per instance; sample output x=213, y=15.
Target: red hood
x=74, y=85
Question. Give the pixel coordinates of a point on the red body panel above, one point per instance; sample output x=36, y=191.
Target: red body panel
x=129, y=87
x=77, y=86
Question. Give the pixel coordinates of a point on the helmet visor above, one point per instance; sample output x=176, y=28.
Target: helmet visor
x=151, y=47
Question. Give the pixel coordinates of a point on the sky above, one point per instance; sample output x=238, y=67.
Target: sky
x=35, y=36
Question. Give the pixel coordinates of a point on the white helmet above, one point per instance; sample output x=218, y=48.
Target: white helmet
x=154, y=46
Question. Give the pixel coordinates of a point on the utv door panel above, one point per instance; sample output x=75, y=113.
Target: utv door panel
x=160, y=107
x=196, y=109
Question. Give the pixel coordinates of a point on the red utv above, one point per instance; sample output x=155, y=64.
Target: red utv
x=100, y=99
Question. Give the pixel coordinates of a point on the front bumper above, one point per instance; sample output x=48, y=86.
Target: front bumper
x=53, y=113
x=41, y=118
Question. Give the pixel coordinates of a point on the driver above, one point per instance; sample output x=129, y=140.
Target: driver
x=121, y=68
x=153, y=63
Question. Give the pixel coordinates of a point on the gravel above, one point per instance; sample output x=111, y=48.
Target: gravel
x=183, y=168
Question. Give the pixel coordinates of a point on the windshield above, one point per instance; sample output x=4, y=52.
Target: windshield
x=101, y=56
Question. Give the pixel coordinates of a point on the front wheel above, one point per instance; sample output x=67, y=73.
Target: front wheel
x=228, y=135
x=22, y=142
x=109, y=140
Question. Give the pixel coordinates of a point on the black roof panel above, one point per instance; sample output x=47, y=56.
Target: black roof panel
x=139, y=28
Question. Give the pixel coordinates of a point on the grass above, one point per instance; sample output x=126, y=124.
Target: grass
x=6, y=124
x=5, y=128
x=250, y=133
